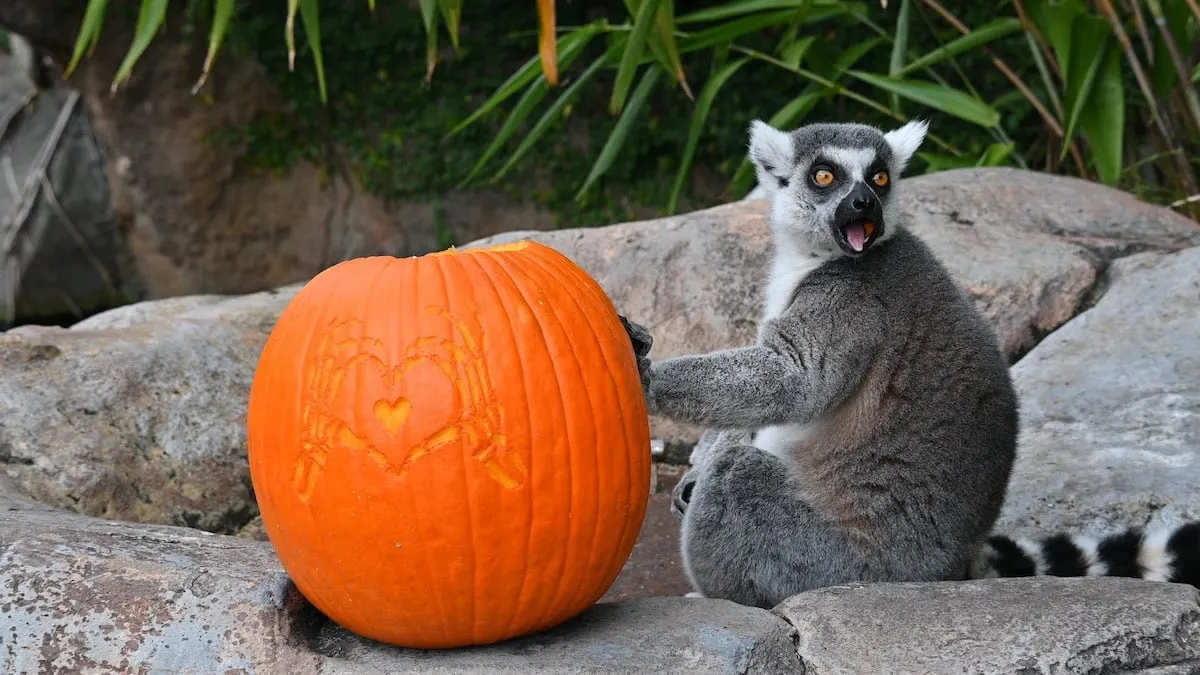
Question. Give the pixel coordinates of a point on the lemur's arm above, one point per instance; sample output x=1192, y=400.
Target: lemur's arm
x=797, y=371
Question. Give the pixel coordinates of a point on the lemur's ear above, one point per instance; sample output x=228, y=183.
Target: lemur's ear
x=772, y=153
x=905, y=141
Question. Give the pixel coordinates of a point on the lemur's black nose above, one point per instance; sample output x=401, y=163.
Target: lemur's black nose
x=861, y=200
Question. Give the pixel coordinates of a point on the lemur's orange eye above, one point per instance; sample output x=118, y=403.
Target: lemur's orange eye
x=822, y=177
x=880, y=178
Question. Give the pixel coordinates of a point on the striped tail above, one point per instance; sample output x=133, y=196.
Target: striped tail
x=1168, y=554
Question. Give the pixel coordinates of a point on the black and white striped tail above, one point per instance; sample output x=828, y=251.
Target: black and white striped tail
x=1169, y=554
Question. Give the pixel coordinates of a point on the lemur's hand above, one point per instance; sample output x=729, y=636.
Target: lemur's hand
x=642, y=341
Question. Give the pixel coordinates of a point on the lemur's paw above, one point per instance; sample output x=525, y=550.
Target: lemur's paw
x=639, y=336
x=682, y=494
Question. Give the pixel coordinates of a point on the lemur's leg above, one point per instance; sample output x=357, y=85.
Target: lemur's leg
x=748, y=537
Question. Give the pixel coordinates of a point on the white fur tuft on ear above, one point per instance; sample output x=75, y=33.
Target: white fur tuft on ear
x=905, y=141
x=771, y=150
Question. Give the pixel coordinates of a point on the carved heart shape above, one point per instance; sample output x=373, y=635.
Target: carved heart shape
x=392, y=414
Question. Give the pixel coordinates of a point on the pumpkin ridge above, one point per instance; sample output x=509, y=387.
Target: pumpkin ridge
x=464, y=450
x=550, y=268
x=551, y=605
x=589, y=285
x=522, y=600
x=414, y=272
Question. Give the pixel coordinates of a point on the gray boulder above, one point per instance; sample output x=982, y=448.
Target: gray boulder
x=1026, y=625
x=81, y=594
x=138, y=413
x=1111, y=406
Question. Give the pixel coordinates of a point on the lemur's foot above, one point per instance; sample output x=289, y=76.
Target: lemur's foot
x=682, y=494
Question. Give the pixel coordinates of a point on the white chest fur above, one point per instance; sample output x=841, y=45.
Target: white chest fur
x=788, y=270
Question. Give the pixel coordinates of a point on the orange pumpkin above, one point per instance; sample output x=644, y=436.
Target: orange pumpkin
x=450, y=449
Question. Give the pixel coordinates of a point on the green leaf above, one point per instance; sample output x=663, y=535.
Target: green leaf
x=1103, y=118
x=731, y=30
x=633, y=54
x=664, y=45
x=935, y=162
x=525, y=74
x=1055, y=21
x=946, y=99
x=793, y=53
x=852, y=55
x=744, y=7
x=533, y=95
x=795, y=110
x=429, y=18
x=616, y=139
x=1176, y=16
x=89, y=32
x=222, y=16
x=150, y=19
x=452, y=15
x=899, y=47
x=995, y=154
x=1088, y=43
x=553, y=113
x=699, y=115
x=310, y=16
x=989, y=32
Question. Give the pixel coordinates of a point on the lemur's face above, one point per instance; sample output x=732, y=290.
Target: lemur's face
x=830, y=185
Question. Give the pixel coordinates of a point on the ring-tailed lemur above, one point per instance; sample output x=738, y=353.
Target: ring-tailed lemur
x=869, y=433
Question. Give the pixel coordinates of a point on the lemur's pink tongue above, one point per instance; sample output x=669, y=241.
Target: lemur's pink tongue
x=856, y=234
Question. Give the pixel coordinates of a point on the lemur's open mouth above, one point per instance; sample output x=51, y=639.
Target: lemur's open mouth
x=857, y=235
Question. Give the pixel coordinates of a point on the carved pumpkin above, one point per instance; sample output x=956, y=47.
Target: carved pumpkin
x=450, y=449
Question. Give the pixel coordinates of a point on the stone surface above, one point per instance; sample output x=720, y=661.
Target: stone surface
x=61, y=255
x=80, y=594
x=1026, y=625
x=1108, y=221
x=141, y=423
x=1111, y=405
x=696, y=280
x=656, y=635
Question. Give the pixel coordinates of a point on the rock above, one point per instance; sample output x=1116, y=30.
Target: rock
x=1111, y=406
x=1110, y=222
x=655, y=635
x=695, y=280
x=142, y=423
x=1023, y=625
x=79, y=594
x=61, y=254
x=258, y=311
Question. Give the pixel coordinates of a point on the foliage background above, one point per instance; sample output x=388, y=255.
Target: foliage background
x=395, y=119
